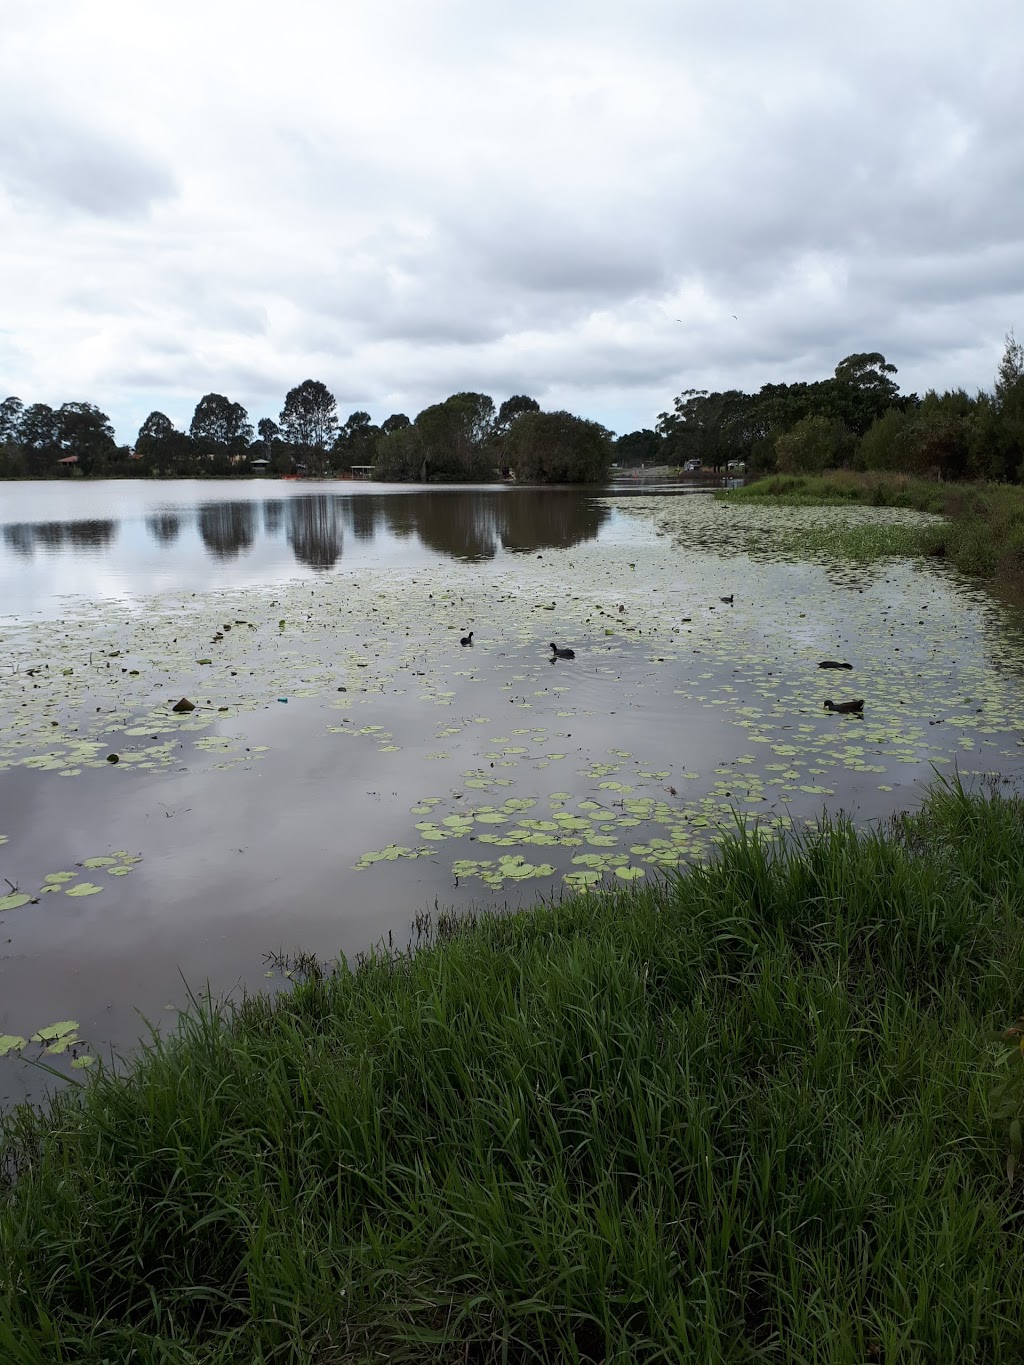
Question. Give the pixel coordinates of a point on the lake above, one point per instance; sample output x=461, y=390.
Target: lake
x=349, y=764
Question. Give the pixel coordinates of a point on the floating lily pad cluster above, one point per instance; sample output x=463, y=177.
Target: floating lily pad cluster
x=54, y=1040
x=74, y=884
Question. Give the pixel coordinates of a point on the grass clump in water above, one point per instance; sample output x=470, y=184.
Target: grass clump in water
x=744, y=1115
x=983, y=530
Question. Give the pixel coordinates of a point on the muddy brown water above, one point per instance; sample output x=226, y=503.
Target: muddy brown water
x=349, y=764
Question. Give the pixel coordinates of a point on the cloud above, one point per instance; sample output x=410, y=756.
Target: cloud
x=404, y=201
x=49, y=163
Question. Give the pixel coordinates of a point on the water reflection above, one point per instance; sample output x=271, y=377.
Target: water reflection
x=467, y=525
x=164, y=527
x=227, y=528
x=23, y=537
x=20, y=538
x=314, y=531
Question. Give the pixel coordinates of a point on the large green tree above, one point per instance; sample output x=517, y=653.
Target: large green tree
x=454, y=438
x=357, y=440
x=556, y=447
x=85, y=431
x=512, y=408
x=813, y=444
x=309, y=420
x=163, y=450
x=220, y=426
x=11, y=410
x=644, y=447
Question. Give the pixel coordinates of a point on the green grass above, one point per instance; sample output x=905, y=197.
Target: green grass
x=983, y=534
x=754, y=1114
x=840, y=487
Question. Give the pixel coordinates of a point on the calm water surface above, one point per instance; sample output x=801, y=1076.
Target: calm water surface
x=349, y=763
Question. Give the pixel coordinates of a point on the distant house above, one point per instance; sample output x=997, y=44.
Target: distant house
x=737, y=466
x=68, y=462
x=259, y=466
x=691, y=466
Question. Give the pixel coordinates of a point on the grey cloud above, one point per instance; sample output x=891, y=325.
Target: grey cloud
x=57, y=164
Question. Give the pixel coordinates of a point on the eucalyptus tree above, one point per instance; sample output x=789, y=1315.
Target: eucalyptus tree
x=219, y=426
x=309, y=421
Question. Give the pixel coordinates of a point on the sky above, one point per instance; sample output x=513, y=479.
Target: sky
x=598, y=203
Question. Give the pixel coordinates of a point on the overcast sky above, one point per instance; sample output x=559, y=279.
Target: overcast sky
x=570, y=199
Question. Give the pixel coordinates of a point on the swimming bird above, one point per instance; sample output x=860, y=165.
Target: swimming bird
x=846, y=708
x=728, y=600
x=833, y=663
x=562, y=653
x=466, y=639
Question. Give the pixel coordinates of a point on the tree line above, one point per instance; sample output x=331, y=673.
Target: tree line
x=465, y=438
x=856, y=419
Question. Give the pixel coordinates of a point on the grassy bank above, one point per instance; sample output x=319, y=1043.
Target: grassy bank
x=983, y=533
x=746, y=1116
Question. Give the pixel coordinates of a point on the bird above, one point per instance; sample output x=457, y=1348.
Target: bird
x=728, y=600
x=466, y=639
x=833, y=663
x=562, y=653
x=846, y=708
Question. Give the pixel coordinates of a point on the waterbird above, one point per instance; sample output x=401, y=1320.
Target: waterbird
x=562, y=653
x=466, y=639
x=833, y=663
x=846, y=708
x=728, y=600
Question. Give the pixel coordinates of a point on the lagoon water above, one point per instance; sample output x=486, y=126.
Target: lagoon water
x=349, y=764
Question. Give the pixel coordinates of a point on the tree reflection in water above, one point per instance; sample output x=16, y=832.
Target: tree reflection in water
x=314, y=530
x=227, y=528
x=466, y=524
x=20, y=538
x=164, y=527
x=23, y=537
x=273, y=516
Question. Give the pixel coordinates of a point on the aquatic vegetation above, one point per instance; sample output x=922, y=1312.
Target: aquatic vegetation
x=982, y=531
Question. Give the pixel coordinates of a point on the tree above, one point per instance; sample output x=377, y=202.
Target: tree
x=512, y=408
x=888, y=442
x=399, y=456
x=220, y=426
x=85, y=431
x=1009, y=406
x=556, y=447
x=1011, y=367
x=862, y=390
x=309, y=420
x=162, y=449
x=11, y=410
x=268, y=431
x=711, y=427
x=357, y=440
x=815, y=443
x=454, y=438
x=40, y=440
x=395, y=422
x=156, y=428
x=639, y=448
